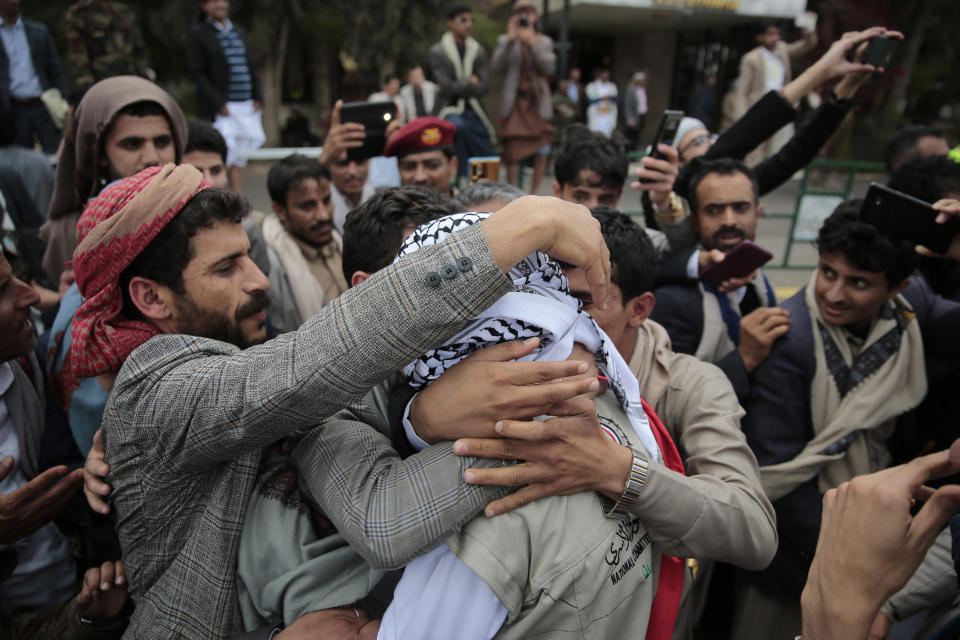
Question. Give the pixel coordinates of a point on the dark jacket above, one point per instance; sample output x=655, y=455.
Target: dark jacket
x=208, y=67
x=46, y=63
x=778, y=422
x=27, y=220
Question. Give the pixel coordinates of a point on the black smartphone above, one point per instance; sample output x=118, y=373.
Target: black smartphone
x=374, y=116
x=523, y=21
x=666, y=132
x=903, y=217
x=741, y=261
x=880, y=51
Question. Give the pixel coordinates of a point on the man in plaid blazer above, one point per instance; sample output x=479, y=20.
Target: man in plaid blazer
x=190, y=413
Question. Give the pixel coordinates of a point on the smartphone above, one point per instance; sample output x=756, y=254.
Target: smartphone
x=880, y=51
x=523, y=21
x=741, y=261
x=666, y=132
x=903, y=217
x=374, y=116
x=484, y=169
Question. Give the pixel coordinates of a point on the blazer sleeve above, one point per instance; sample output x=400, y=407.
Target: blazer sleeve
x=199, y=64
x=801, y=148
x=231, y=402
x=805, y=44
x=498, y=63
x=761, y=121
x=388, y=509
x=718, y=510
x=680, y=311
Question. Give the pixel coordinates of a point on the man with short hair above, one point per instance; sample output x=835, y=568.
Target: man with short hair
x=303, y=248
x=697, y=405
x=591, y=169
x=207, y=151
x=766, y=68
x=350, y=186
x=225, y=404
x=459, y=65
x=486, y=196
x=824, y=404
x=228, y=89
x=914, y=141
x=424, y=151
x=601, y=97
x=29, y=67
x=733, y=329
x=419, y=95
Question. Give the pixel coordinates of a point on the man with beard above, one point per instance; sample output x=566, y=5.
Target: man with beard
x=161, y=255
x=349, y=184
x=304, y=251
x=735, y=329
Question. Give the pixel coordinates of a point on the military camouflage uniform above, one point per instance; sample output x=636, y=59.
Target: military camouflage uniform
x=103, y=40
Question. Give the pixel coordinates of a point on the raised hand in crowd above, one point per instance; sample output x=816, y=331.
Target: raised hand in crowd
x=34, y=504
x=104, y=591
x=707, y=259
x=340, y=137
x=835, y=63
x=870, y=544
x=458, y=402
x=947, y=208
x=95, y=472
x=525, y=34
x=759, y=329
x=659, y=175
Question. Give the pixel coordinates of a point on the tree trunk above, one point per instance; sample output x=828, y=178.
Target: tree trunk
x=271, y=79
x=898, y=91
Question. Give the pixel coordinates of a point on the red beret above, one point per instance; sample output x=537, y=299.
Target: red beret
x=422, y=134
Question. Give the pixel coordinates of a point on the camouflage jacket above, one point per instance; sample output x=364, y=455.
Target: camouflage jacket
x=103, y=40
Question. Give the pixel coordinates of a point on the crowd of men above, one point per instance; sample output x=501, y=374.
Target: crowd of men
x=431, y=412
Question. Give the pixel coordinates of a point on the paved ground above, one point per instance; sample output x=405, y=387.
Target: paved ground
x=772, y=232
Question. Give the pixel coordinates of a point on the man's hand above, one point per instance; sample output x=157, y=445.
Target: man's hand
x=870, y=545
x=759, y=329
x=474, y=79
x=342, y=623
x=880, y=628
x=36, y=503
x=947, y=208
x=834, y=63
x=563, y=230
x=95, y=472
x=469, y=398
x=104, y=591
x=257, y=106
x=224, y=111
x=707, y=259
x=661, y=175
x=340, y=137
x=562, y=456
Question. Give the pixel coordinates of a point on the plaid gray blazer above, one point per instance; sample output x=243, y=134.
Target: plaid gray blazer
x=187, y=419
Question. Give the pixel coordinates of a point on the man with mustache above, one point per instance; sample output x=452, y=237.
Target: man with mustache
x=424, y=152
x=304, y=251
x=736, y=328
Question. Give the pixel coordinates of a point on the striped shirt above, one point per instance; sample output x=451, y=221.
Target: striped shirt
x=240, y=84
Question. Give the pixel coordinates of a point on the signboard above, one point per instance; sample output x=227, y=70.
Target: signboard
x=811, y=213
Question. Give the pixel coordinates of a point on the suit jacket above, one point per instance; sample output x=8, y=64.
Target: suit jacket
x=750, y=82
x=778, y=423
x=46, y=62
x=188, y=418
x=451, y=89
x=506, y=62
x=209, y=70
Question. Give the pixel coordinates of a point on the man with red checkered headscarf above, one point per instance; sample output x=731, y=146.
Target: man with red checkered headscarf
x=173, y=303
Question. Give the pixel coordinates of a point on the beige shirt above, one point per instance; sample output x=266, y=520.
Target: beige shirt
x=326, y=265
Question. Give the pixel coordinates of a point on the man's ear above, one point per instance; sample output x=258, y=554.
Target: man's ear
x=557, y=189
x=358, y=277
x=151, y=299
x=640, y=308
x=454, y=164
x=281, y=213
x=898, y=288
x=759, y=209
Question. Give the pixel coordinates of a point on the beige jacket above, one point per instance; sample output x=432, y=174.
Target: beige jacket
x=718, y=511
x=750, y=83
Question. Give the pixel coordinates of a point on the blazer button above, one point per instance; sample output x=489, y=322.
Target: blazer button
x=432, y=279
x=447, y=272
x=464, y=263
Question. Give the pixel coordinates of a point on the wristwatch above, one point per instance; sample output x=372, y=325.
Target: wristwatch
x=636, y=479
x=675, y=210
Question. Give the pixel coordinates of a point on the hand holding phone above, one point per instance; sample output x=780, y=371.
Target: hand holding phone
x=739, y=262
x=375, y=117
x=666, y=132
x=880, y=51
x=903, y=217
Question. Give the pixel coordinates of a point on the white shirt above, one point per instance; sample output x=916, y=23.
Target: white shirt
x=773, y=70
x=24, y=82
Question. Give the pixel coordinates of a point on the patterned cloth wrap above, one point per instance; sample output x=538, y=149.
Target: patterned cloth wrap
x=113, y=230
x=541, y=307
